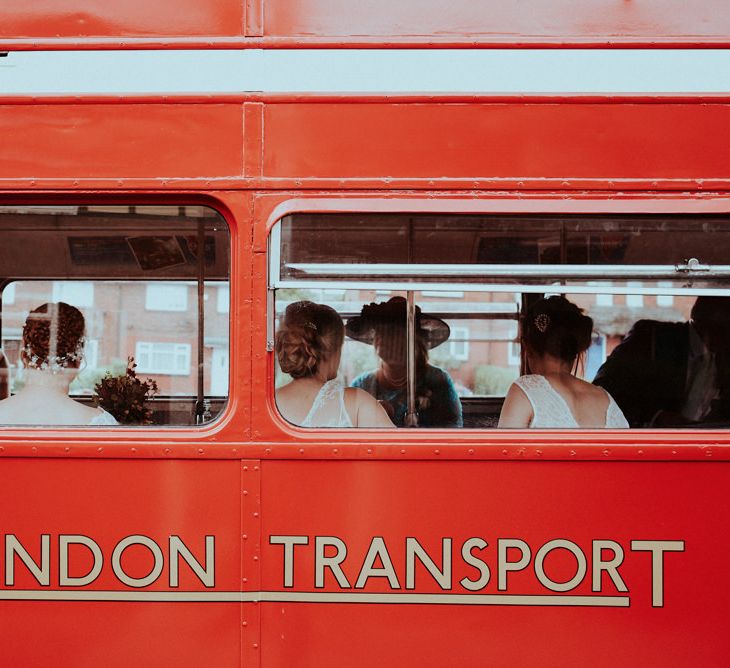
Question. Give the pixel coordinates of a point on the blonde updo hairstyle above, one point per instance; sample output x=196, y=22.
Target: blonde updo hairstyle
x=557, y=327
x=53, y=336
x=309, y=335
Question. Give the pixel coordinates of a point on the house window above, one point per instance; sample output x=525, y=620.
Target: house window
x=664, y=300
x=634, y=301
x=223, y=299
x=459, y=343
x=164, y=358
x=166, y=297
x=77, y=293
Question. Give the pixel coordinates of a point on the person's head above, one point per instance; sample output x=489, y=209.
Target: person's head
x=711, y=318
x=558, y=328
x=53, y=337
x=309, y=341
x=383, y=326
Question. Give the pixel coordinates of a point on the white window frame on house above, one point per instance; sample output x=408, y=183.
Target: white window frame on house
x=180, y=354
x=76, y=293
x=459, y=343
x=91, y=353
x=664, y=300
x=166, y=297
x=223, y=299
x=634, y=301
x=446, y=294
x=514, y=353
x=602, y=299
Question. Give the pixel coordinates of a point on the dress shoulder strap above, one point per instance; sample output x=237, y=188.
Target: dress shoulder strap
x=549, y=408
x=328, y=408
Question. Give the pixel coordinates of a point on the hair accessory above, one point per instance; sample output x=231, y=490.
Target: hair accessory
x=542, y=321
x=311, y=325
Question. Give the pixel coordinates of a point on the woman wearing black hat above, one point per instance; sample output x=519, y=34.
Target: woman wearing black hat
x=384, y=327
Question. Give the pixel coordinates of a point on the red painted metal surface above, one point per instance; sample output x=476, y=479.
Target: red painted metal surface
x=108, y=501
x=95, y=24
x=536, y=502
x=250, y=476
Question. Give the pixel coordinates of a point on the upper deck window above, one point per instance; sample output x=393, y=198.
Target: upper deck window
x=638, y=277
x=87, y=289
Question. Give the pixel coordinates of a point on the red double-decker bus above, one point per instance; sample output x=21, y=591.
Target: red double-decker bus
x=183, y=173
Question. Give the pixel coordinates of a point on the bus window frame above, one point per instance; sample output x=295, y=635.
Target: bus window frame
x=142, y=441
x=591, y=444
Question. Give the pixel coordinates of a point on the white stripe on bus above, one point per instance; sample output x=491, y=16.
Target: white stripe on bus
x=367, y=71
x=313, y=597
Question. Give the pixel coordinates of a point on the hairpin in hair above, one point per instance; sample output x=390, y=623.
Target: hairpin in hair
x=542, y=321
x=311, y=325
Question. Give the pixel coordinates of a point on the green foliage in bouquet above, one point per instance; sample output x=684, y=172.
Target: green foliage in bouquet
x=125, y=396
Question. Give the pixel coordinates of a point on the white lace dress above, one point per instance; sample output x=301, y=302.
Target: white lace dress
x=328, y=408
x=550, y=410
x=102, y=419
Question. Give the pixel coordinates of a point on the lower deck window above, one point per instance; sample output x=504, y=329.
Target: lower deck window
x=100, y=317
x=479, y=289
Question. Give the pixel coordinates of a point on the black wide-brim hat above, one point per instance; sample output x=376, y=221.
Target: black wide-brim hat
x=393, y=312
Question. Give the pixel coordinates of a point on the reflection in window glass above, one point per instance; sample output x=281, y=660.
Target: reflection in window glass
x=633, y=275
x=131, y=275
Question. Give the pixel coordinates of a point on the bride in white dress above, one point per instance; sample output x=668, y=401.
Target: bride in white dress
x=308, y=347
x=53, y=348
x=555, y=333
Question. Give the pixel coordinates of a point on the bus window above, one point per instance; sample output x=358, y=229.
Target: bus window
x=101, y=322
x=655, y=287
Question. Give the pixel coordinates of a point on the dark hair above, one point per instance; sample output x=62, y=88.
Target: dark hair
x=557, y=327
x=711, y=310
x=60, y=321
x=309, y=334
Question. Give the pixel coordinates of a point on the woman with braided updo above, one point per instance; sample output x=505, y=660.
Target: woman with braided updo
x=555, y=335
x=51, y=355
x=308, y=348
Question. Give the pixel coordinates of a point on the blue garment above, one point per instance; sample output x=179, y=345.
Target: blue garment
x=436, y=398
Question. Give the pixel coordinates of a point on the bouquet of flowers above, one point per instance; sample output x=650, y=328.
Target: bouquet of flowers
x=125, y=396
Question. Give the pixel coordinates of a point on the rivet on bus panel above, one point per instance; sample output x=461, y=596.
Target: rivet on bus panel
x=708, y=453
x=100, y=449
x=244, y=579
x=244, y=623
x=606, y=452
x=335, y=451
x=674, y=452
x=67, y=449
x=255, y=557
x=370, y=451
x=573, y=453
x=538, y=453
x=470, y=451
x=167, y=451
x=245, y=536
x=255, y=645
x=255, y=514
x=255, y=468
x=403, y=452
x=505, y=452
x=437, y=452
x=268, y=451
x=2, y=449
x=34, y=449
x=245, y=468
x=640, y=453
x=201, y=451
x=301, y=451
x=133, y=450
